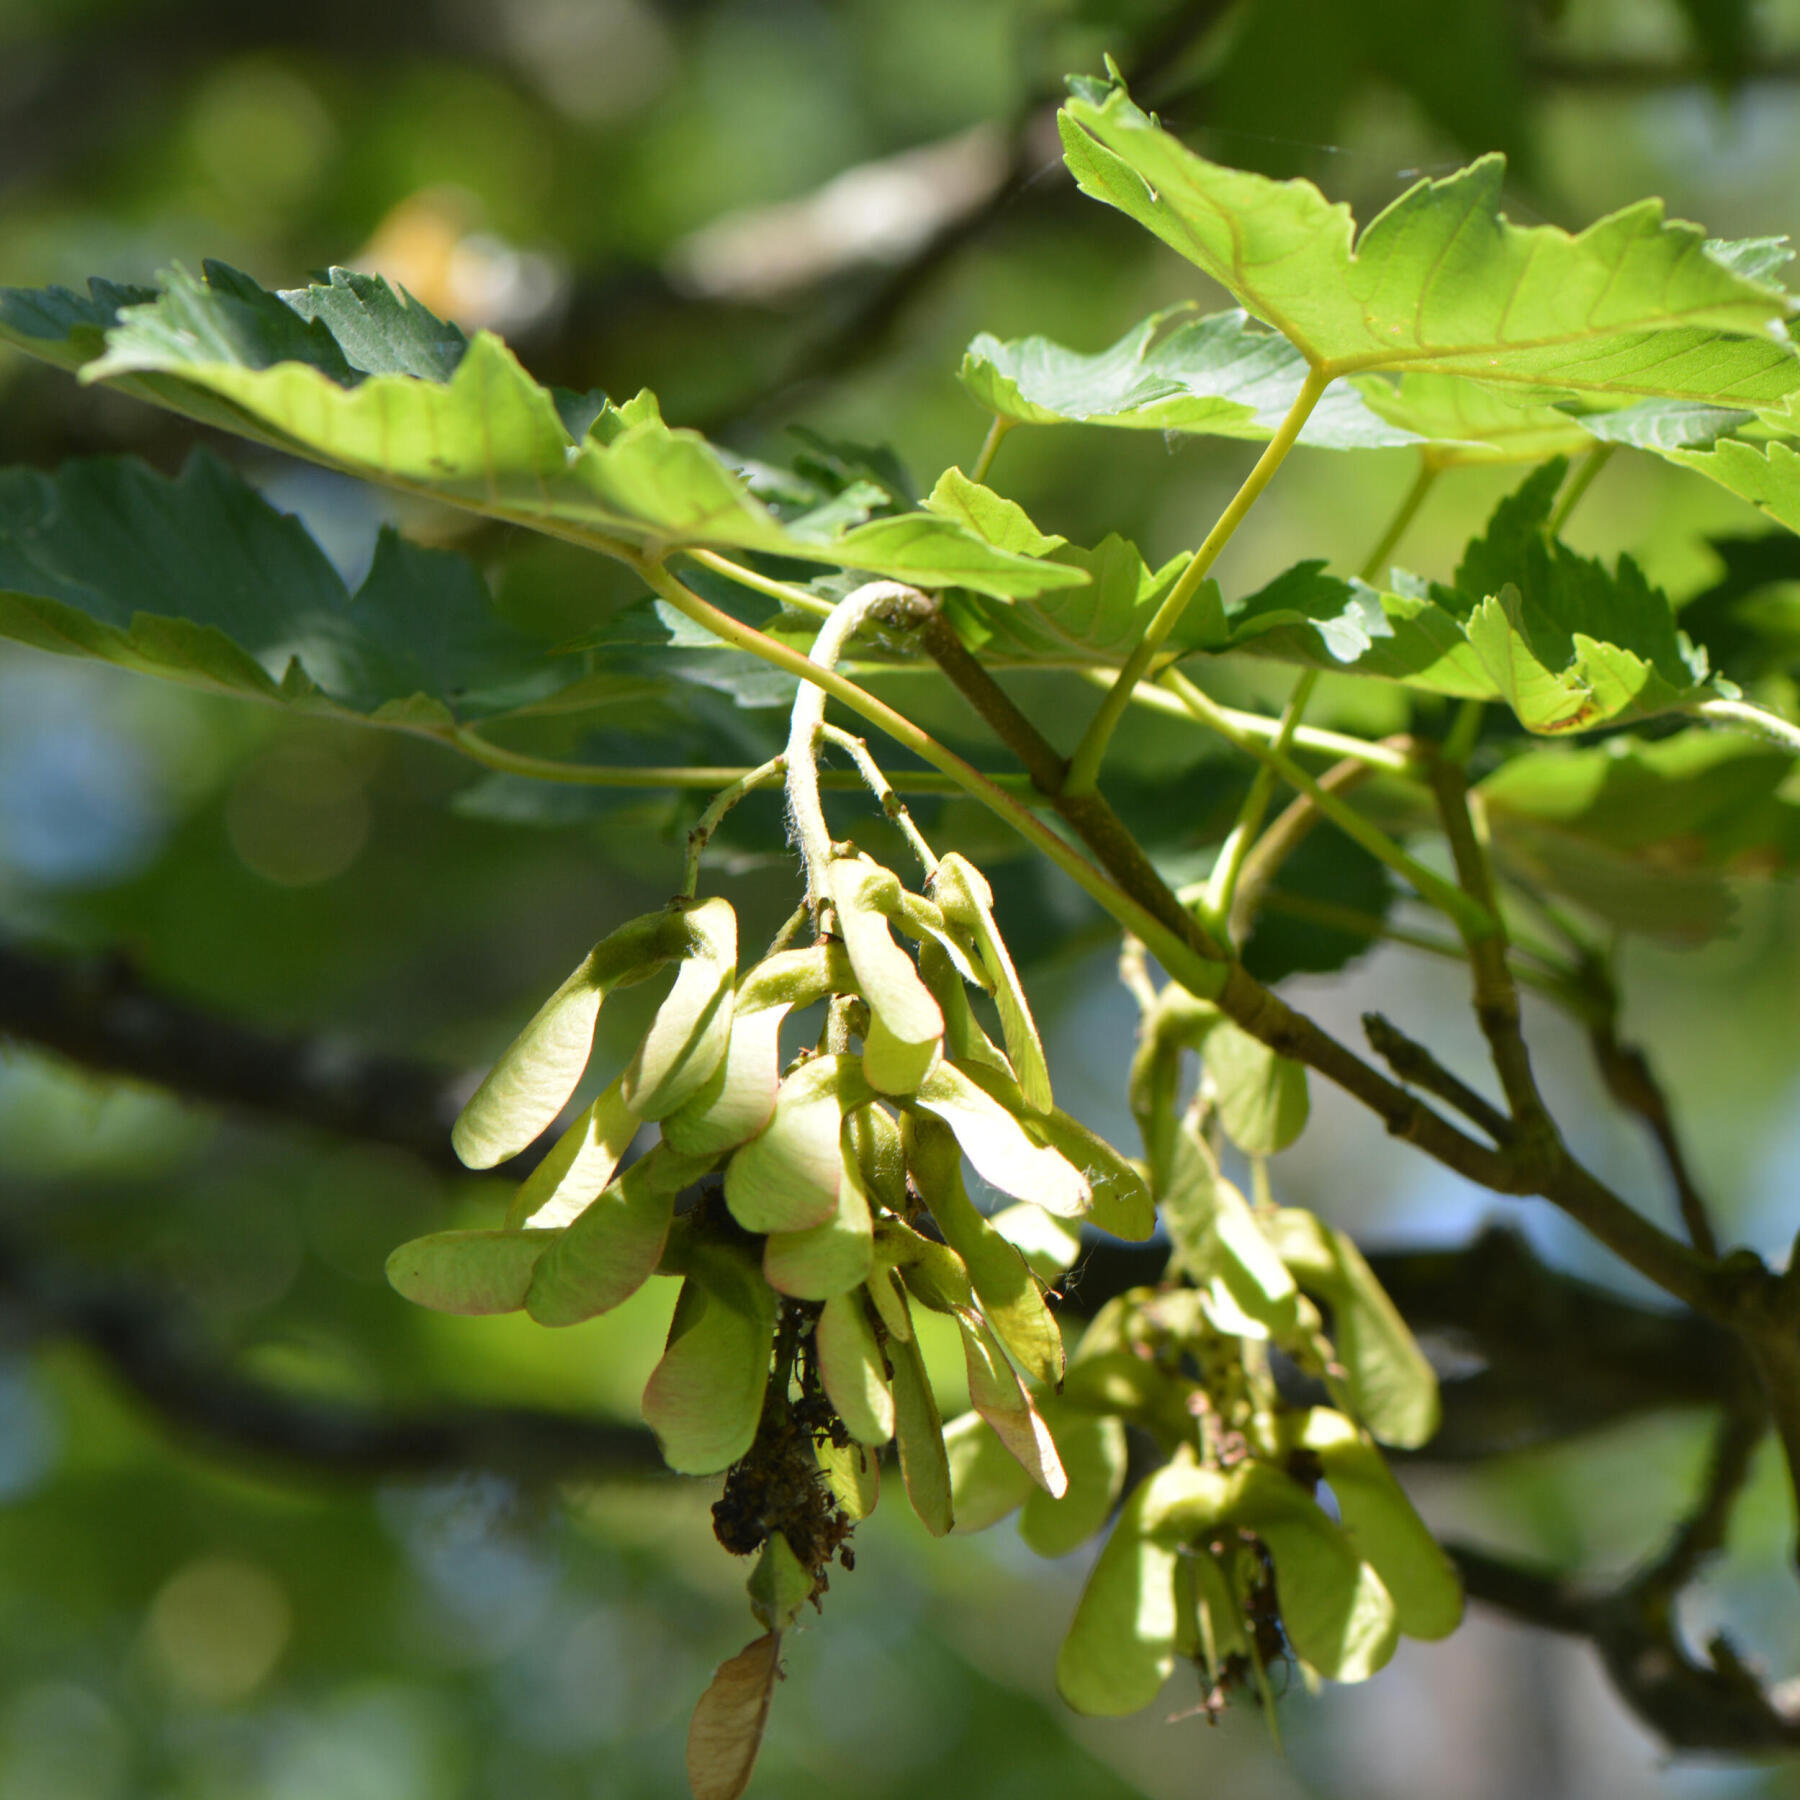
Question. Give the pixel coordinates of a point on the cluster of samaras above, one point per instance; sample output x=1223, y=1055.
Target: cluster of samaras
x=839, y=1206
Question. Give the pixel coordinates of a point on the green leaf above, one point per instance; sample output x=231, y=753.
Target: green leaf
x=1465, y=423
x=62, y=327
x=609, y=1252
x=198, y=579
x=543, y=1065
x=1441, y=281
x=1391, y=1386
x=1098, y=622
x=353, y=377
x=1698, y=800
x=705, y=1398
x=1767, y=475
x=470, y=1272
x=1567, y=644
x=1220, y=375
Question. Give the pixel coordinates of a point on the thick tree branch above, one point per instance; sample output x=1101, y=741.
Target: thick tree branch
x=98, y=1013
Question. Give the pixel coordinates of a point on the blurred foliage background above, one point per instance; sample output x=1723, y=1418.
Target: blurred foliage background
x=772, y=212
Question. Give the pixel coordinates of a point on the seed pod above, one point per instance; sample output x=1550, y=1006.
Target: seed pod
x=787, y=1177
x=470, y=1272
x=833, y=1256
x=996, y=1392
x=996, y=1143
x=1220, y=1630
x=1335, y=1610
x=1093, y=1451
x=1223, y=1248
x=541, y=1068
x=1261, y=1097
x=1381, y=1523
x=705, y=1398
x=906, y=1023
x=780, y=1584
x=965, y=1043
x=967, y=901
x=612, y=1249
x=1120, y=1200
x=1050, y=1247
x=578, y=1166
x=919, y=1436
x=1011, y=1300
x=687, y=1038
x=880, y=1153
x=986, y=1481
x=853, y=1473
x=890, y=1303
x=933, y=1272
x=1390, y=1386
x=1120, y=1647
x=727, y=1728
x=852, y=1369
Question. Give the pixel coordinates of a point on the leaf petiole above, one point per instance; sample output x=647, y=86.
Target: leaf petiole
x=1084, y=765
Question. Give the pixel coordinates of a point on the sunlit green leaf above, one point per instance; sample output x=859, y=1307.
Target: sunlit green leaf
x=1219, y=375
x=1441, y=281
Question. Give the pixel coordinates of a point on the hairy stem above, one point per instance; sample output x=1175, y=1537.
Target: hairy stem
x=1173, y=946
x=989, y=445
x=878, y=784
x=806, y=813
x=1578, y=484
x=1739, y=715
x=708, y=822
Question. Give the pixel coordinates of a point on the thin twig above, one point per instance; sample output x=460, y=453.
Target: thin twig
x=1416, y=1066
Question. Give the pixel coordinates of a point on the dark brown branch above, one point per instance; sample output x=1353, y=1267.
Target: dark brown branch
x=206, y=1403
x=1417, y=1067
x=97, y=1012
x=1633, y=1084
x=1717, y=1705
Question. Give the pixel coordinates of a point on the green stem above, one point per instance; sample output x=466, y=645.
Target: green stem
x=1180, y=959
x=1084, y=765
x=465, y=739
x=1464, y=732
x=1578, y=484
x=1221, y=890
x=1469, y=916
x=878, y=784
x=1401, y=522
x=989, y=445
x=785, y=591
x=708, y=822
x=1740, y=715
x=1258, y=727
